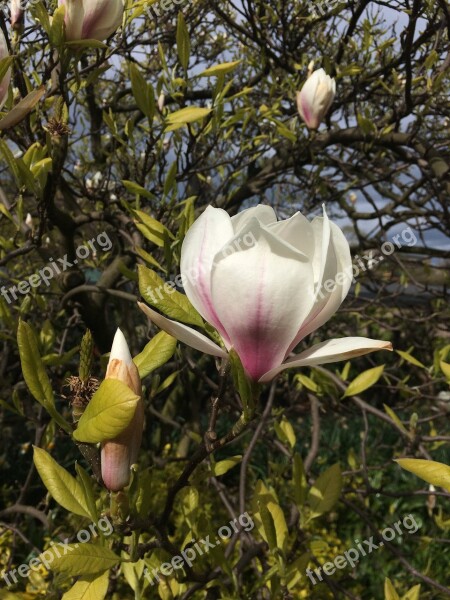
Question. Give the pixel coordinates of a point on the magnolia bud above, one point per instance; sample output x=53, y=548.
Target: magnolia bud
x=17, y=13
x=316, y=98
x=120, y=453
x=91, y=19
x=161, y=101
x=4, y=83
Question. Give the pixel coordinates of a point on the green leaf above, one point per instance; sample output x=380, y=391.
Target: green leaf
x=22, y=108
x=299, y=481
x=64, y=488
x=5, y=64
x=137, y=189
x=223, y=466
x=88, y=491
x=433, y=472
x=407, y=356
x=389, y=591
x=153, y=230
x=183, y=42
x=143, y=92
x=35, y=374
x=162, y=296
x=92, y=588
x=33, y=369
x=269, y=518
x=248, y=389
x=56, y=33
x=155, y=354
x=325, y=492
x=87, y=44
x=413, y=593
x=445, y=368
x=109, y=412
x=395, y=418
x=186, y=115
x=307, y=382
x=364, y=381
x=220, y=69
x=268, y=525
x=80, y=559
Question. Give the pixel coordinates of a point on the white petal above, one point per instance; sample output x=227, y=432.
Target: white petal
x=73, y=18
x=185, y=334
x=297, y=231
x=101, y=18
x=339, y=282
x=262, y=293
x=332, y=275
x=265, y=215
x=328, y=352
x=210, y=232
x=119, y=349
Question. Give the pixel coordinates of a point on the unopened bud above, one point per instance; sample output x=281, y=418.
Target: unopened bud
x=120, y=453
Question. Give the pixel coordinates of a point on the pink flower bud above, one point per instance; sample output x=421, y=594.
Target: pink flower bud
x=4, y=83
x=120, y=453
x=91, y=19
x=316, y=98
x=17, y=13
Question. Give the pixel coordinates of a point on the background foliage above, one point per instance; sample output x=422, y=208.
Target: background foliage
x=135, y=138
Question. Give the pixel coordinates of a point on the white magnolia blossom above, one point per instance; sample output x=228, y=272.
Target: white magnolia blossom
x=265, y=285
x=91, y=19
x=315, y=98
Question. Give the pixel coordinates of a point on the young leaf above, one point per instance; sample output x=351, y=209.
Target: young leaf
x=183, y=42
x=223, y=466
x=409, y=358
x=152, y=229
x=33, y=370
x=389, y=591
x=325, y=492
x=89, y=588
x=155, y=354
x=143, y=92
x=162, y=296
x=186, y=115
x=274, y=529
x=80, y=559
x=364, y=381
x=109, y=412
x=413, y=593
x=433, y=472
x=64, y=488
x=221, y=69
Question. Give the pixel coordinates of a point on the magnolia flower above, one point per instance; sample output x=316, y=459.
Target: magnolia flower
x=4, y=83
x=265, y=285
x=316, y=98
x=16, y=14
x=91, y=19
x=119, y=454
